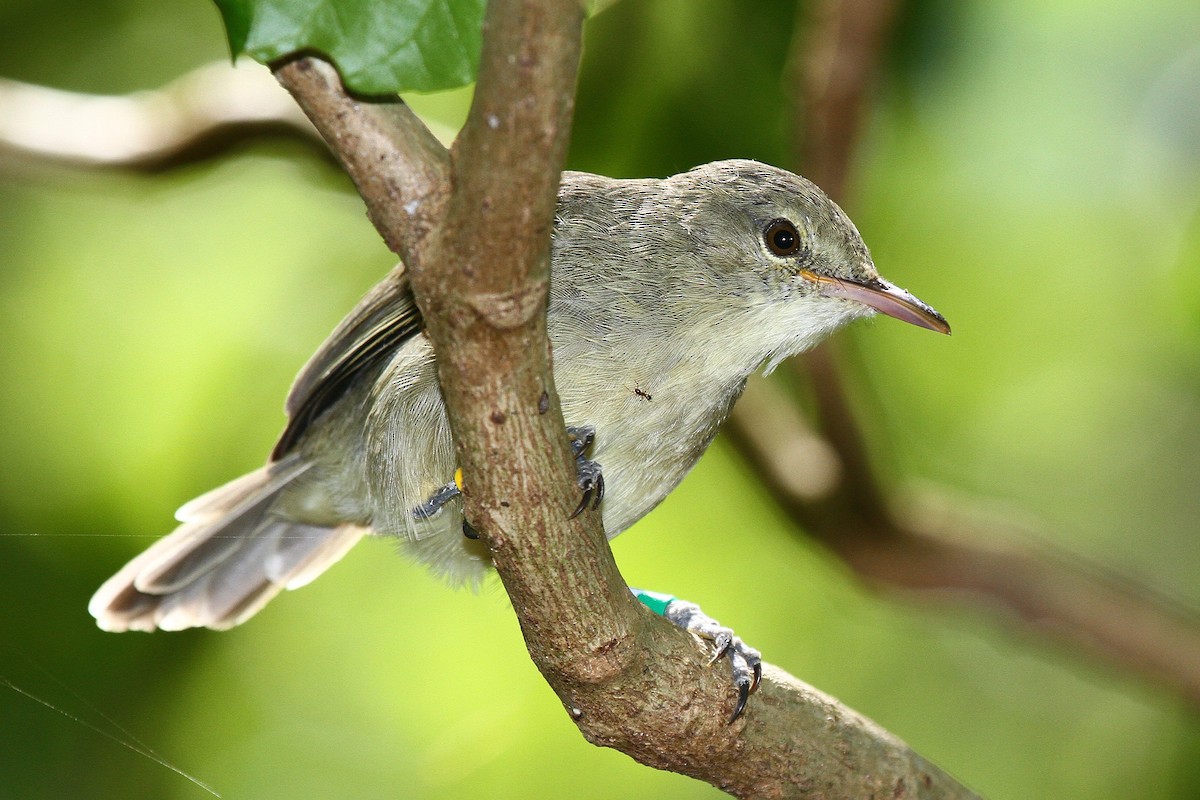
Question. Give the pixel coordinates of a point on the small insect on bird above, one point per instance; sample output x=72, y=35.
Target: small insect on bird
x=681, y=287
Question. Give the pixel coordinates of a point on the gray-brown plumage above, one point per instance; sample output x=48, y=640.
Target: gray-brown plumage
x=665, y=296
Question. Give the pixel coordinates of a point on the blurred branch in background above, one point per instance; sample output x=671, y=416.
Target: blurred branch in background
x=823, y=477
x=835, y=55
x=199, y=116
x=834, y=62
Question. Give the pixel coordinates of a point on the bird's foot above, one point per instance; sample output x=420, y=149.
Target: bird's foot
x=744, y=661
x=439, y=498
x=589, y=475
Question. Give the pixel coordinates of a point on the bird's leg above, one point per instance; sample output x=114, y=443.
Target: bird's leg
x=589, y=475
x=440, y=497
x=744, y=661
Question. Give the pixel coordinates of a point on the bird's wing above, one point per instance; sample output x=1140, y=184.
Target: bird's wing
x=369, y=335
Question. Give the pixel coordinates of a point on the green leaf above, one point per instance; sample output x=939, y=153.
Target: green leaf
x=379, y=46
x=236, y=14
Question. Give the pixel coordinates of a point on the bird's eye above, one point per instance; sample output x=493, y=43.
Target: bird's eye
x=783, y=239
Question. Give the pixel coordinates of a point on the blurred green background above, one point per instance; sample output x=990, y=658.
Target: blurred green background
x=1031, y=169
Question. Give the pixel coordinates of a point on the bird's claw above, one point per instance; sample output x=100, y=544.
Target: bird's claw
x=744, y=661
x=590, y=475
x=591, y=480
x=581, y=437
x=746, y=684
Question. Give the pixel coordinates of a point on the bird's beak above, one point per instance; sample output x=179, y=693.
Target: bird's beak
x=882, y=296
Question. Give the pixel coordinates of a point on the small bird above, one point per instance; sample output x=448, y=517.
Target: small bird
x=666, y=294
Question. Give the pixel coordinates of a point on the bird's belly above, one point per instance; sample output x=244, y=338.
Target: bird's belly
x=648, y=437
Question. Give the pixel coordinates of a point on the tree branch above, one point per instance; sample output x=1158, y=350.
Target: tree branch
x=396, y=164
x=486, y=302
x=835, y=66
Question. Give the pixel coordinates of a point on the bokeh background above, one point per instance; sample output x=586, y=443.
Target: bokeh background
x=1031, y=169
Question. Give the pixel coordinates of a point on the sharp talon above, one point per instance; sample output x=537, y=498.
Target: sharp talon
x=591, y=480
x=757, y=677
x=589, y=475
x=469, y=530
x=743, y=696
x=583, y=504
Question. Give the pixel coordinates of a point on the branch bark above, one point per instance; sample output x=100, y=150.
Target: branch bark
x=387, y=151
x=473, y=227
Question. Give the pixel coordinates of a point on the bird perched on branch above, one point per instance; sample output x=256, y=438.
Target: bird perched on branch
x=665, y=296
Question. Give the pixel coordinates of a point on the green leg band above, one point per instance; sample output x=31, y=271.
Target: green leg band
x=655, y=601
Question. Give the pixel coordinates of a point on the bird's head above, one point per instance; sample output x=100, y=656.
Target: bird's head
x=785, y=244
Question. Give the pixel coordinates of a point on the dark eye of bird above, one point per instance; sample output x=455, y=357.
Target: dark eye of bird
x=782, y=238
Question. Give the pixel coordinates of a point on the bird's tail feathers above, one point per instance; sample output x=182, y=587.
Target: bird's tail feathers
x=230, y=556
